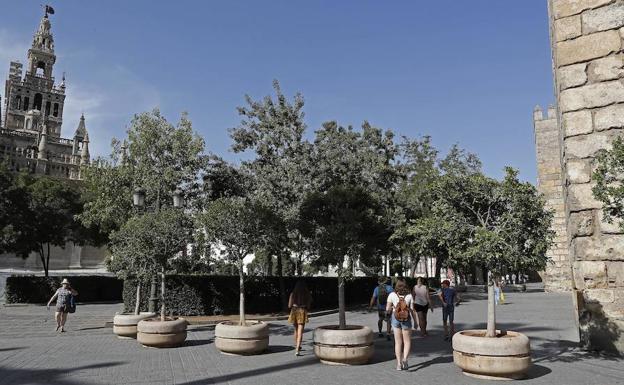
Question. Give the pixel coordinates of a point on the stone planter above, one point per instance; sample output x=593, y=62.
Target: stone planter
x=504, y=357
x=352, y=346
x=232, y=338
x=162, y=334
x=125, y=324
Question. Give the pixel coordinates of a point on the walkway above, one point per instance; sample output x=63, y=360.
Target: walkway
x=32, y=353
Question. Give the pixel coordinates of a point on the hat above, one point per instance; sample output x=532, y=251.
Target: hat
x=382, y=279
x=64, y=281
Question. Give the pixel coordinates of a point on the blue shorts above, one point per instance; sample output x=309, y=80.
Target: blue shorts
x=448, y=312
x=405, y=325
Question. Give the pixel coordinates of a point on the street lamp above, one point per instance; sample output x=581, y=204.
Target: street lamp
x=138, y=200
x=138, y=197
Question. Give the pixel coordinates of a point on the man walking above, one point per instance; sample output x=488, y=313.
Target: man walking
x=380, y=297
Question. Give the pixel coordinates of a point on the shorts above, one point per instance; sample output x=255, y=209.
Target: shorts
x=298, y=315
x=421, y=308
x=383, y=315
x=62, y=309
x=404, y=325
x=448, y=312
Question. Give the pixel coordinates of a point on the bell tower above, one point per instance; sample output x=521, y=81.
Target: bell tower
x=35, y=93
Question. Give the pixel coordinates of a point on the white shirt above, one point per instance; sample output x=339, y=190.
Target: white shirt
x=394, y=299
x=421, y=295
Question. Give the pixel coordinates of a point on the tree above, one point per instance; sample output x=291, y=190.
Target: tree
x=608, y=177
x=145, y=245
x=157, y=157
x=343, y=224
x=273, y=129
x=505, y=224
x=13, y=210
x=234, y=230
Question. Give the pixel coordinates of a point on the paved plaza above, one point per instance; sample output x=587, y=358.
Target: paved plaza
x=32, y=353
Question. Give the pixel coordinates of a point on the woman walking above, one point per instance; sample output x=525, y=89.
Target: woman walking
x=64, y=301
x=400, y=305
x=299, y=305
x=422, y=303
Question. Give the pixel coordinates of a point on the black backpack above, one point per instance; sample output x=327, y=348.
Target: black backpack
x=72, y=304
x=382, y=294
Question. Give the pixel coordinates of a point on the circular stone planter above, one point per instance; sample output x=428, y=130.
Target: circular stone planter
x=350, y=346
x=162, y=334
x=505, y=357
x=232, y=338
x=125, y=324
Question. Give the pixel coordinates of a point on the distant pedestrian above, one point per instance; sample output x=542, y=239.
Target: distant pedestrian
x=422, y=303
x=513, y=278
x=380, y=298
x=65, y=304
x=497, y=290
x=299, y=304
x=400, y=305
x=450, y=299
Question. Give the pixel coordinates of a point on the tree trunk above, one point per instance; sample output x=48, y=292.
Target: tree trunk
x=282, y=285
x=151, y=307
x=342, y=317
x=137, y=305
x=491, y=317
x=43, y=259
x=162, y=294
x=47, y=264
x=241, y=283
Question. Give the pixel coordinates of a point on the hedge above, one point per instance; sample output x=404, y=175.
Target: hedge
x=37, y=289
x=212, y=294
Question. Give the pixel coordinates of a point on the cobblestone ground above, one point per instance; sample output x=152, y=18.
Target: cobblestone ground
x=32, y=353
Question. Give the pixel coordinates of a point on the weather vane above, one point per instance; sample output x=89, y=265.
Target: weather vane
x=48, y=10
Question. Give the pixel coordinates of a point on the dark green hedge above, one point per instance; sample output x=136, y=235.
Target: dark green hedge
x=91, y=288
x=211, y=294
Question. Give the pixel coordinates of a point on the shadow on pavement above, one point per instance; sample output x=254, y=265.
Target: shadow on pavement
x=48, y=376
x=254, y=372
x=279, y=349
x=9, y=349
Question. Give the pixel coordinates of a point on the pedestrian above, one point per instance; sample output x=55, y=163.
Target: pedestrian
x=299, y=304
x=450, y=299
x=513, y=278
x=497, y=290
x=380, y=297
x=65, y=303
x=400, y=306
x=422, y=303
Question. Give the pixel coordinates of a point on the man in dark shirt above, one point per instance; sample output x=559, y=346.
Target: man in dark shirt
x=450, y=298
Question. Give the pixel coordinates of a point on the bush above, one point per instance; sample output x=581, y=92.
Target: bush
x=215, y=294
x=91, y=288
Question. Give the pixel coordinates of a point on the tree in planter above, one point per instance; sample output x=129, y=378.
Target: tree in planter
x=343, y=225
x=506, y=224
x=234, y=229
x=146, y=244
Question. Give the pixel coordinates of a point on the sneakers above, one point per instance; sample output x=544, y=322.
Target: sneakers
x=380, y=335
x=388, y=337
x=404, y=365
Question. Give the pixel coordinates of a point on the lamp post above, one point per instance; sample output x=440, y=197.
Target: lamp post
x=138, y=199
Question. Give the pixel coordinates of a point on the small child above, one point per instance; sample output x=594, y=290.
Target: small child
x=450, y=299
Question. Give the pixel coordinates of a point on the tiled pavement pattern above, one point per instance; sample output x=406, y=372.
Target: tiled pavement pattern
x=32, y=353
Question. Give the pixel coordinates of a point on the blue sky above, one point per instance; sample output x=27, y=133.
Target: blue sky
x=467, y=72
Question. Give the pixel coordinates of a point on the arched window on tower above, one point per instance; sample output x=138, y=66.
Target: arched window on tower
x=25, y=104
x=40, y=68
x=47, y=108
x=17, y=102
x=38, y=101
x=55, y=112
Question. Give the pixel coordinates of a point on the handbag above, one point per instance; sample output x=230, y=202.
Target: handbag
x=72, y=304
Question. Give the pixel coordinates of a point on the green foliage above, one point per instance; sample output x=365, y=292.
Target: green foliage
x=608, y=177
x=145, y=244
x=343, y=224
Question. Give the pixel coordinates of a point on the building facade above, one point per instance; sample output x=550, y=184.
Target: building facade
x=30, y=126
x=587, y=40
x=31, y=117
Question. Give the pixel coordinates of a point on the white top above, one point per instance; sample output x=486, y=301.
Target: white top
x=394, y=299
x=420, y=295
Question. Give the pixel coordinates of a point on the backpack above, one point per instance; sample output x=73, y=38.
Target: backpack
x=382, y=295
x=401, y=311
x=72, y=304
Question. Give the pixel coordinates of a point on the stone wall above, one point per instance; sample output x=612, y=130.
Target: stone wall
x=587, y=41
x=558, y=273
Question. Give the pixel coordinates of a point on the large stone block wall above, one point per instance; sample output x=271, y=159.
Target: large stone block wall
x=588, y=66
x=558, y=273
